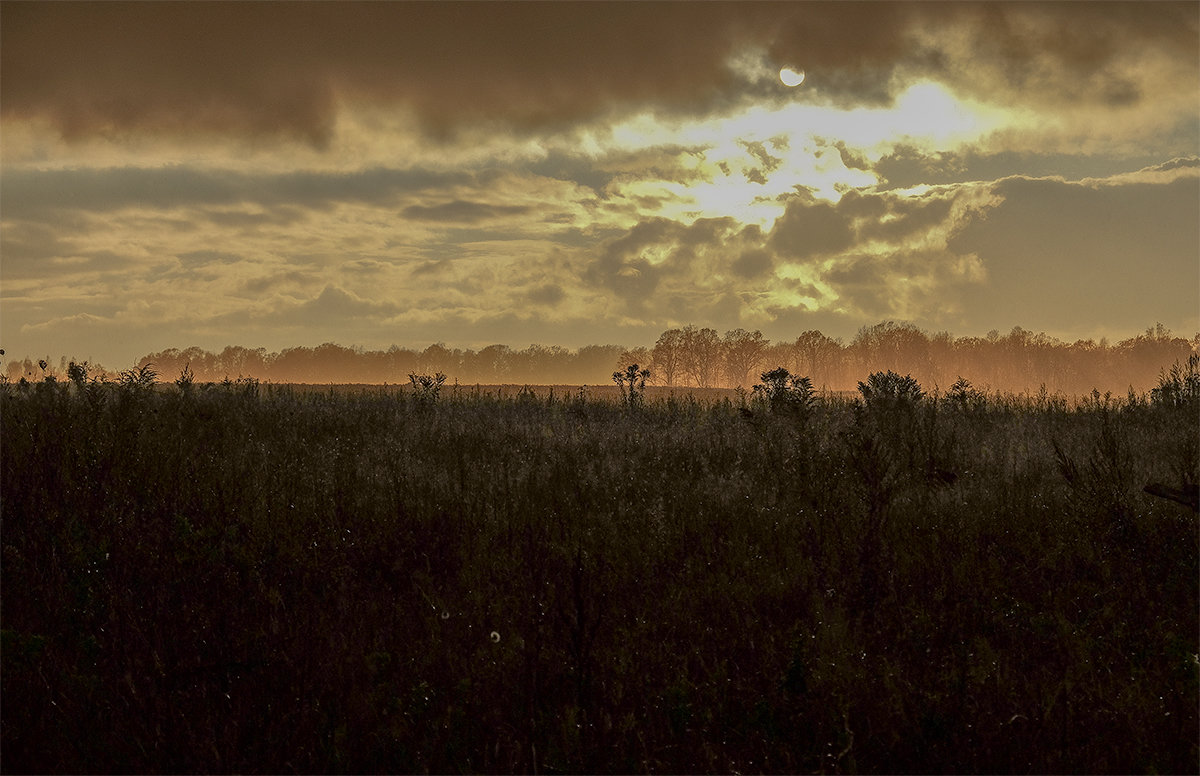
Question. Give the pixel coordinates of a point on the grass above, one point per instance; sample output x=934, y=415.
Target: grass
x=245, y=577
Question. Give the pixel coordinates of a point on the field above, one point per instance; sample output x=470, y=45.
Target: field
x=256, y=578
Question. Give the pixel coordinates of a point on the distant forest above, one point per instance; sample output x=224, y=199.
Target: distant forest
x=1020, y=361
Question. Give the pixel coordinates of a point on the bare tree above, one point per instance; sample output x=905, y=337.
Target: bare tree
x=667, y=356
x=702, y=355
x=743, y=352
x=818, y=357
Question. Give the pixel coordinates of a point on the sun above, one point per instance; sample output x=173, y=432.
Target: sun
x=791, y=76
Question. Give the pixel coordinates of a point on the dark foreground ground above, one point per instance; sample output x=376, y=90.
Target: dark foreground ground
x=254, y=579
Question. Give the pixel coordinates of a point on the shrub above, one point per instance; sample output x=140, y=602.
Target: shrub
x=77, y=374
x=890, y=389
x=787, y=393
x=965, y=397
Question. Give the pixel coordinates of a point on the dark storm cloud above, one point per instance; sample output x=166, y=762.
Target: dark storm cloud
x=275, y=67
x=29, y=193
x=281, y=68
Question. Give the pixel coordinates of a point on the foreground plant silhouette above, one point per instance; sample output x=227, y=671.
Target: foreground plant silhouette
x=632, y=383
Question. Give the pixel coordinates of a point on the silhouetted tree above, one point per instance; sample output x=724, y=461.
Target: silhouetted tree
x=633, y=356
x=702, y=355
x=667, y=356
x=743, y=352
x=819, y=357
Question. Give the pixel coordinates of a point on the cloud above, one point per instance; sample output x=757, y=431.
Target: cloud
x=336, y=303
x=287, y=69
x=274, y=282
x=675, y=263
x=202, y=258
x=267, y=68
x=810, y=228
x=66, y=320
x=753, y=263
x=547, y=294
x=26, y=246
x=1074, y=52
x=906, y=165
x=1072, y=255
x=907, y=217
x=33, y=192
x=871, y=254
x=460, y=211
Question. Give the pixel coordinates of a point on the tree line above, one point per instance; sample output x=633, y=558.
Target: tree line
x=694, y=356
x=1018, y=361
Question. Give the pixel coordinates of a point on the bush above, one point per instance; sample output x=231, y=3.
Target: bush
x=888, y=389
x=787, y=394
x=964, y=397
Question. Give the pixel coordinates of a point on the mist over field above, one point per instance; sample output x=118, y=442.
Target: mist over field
x=693, y=357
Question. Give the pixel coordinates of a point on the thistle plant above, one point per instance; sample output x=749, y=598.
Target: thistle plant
x=426, y=387
x=632, y=382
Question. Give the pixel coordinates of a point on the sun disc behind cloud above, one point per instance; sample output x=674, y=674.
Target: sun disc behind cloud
x=791, y=76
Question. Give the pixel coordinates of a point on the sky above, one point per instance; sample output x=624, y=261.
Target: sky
x=285, y=174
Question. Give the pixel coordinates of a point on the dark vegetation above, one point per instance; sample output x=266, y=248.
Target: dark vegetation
x=1016, y=362
x=241, y=577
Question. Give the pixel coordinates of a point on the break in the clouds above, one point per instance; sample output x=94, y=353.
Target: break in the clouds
x=277, y=174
